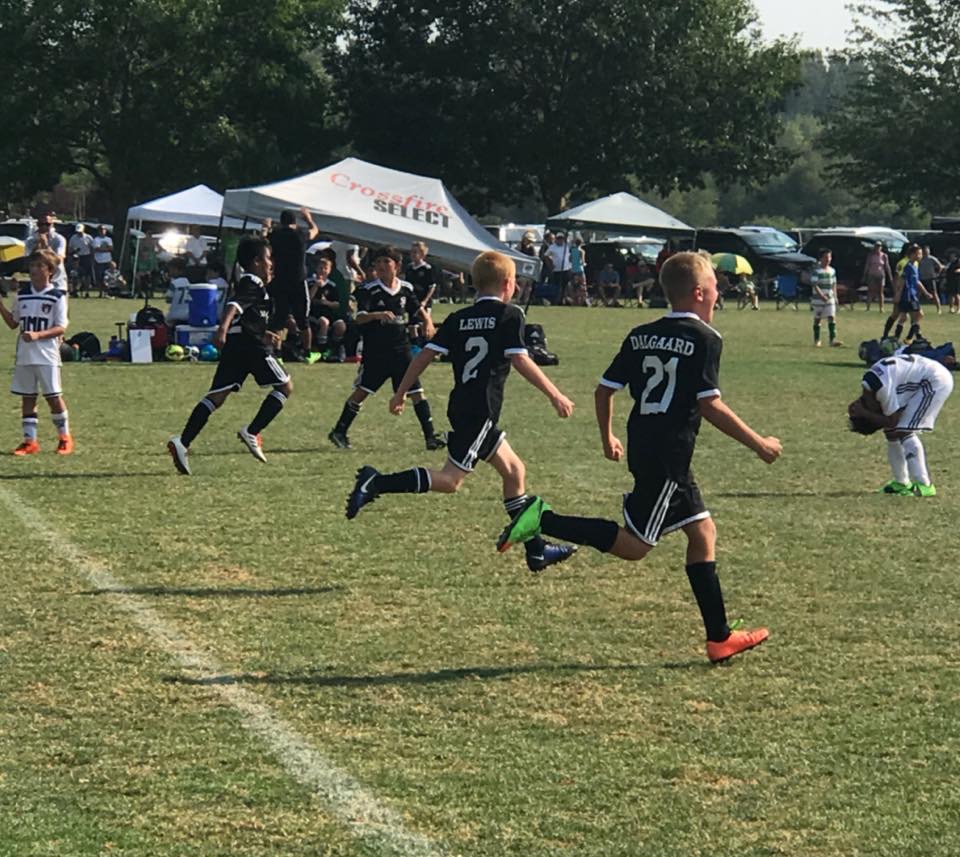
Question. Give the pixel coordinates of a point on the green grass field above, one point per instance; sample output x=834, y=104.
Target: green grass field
x=223, y=665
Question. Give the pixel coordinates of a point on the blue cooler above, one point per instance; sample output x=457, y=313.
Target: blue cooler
x=203, y=305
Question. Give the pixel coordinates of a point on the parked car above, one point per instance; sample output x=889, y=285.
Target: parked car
x=850, y=247
x=941, y=244
x=619, y=252
x=770, y=252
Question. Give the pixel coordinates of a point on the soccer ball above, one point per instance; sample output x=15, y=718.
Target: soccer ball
x=888, y=346
x=192, y=353
x=209, y=352
x=175, y=353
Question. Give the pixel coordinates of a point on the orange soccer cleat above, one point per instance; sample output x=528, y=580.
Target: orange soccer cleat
x=737, y=642
x=65, y=445
x=28, y=447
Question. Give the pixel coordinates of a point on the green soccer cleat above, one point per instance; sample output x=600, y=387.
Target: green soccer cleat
x=894, y=487
x=918, y=489
x=524, y=526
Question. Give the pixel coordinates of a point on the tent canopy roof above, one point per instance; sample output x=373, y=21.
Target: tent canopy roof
x=195, y=206
x=364, y=202
x=621, y=213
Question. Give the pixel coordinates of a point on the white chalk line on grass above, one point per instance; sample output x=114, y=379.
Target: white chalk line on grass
x=362, y=814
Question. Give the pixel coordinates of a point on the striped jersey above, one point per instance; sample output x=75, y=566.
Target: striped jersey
x=895, y=379
x=39, y=311
x=824, y=279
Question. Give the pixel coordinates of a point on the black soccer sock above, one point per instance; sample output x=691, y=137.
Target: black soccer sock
x=414, y=481
x=914, y=332
x=422, y=410
x=832, y=327
x=197, y=420
x=706, y=589
x=513, y=505
x=897, y=331
x=594, y=532
x=886, y=327
x=272, y=405
x=347, y=416
x=816, y=331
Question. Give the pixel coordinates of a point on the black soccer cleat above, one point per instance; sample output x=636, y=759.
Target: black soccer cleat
x=435, y=441
x=551, y=555
x=339, y=439
x=362, y=492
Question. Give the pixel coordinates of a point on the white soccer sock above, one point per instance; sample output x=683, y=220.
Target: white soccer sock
x=62, y=422
x=30, y=427
x=898, y=462
x=916, y=459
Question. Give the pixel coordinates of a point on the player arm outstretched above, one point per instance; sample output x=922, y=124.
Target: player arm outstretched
x=716, y=412
x=417, y=366
x=603, y=402
x=534, y=375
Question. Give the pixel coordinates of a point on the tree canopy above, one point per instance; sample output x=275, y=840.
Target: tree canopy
x=505, y=102
x=897, y=130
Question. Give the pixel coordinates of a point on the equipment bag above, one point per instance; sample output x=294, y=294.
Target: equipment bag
x=87, y=344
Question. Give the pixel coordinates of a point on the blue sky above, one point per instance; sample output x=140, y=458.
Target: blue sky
x=819, y=23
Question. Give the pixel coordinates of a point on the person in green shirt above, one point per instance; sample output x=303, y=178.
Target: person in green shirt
x=823, y=299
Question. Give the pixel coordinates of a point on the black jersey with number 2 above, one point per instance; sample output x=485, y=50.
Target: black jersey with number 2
x=669, y=366
x=480, y=340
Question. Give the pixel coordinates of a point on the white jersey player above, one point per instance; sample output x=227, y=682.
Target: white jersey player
x=39, y=314
x=903, y=395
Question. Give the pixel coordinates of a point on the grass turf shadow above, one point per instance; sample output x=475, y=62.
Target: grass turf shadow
x=214, y=592
x=422, y=678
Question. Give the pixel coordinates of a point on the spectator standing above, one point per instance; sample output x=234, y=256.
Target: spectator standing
x=876, y=274
x=952, y=279
x=47, y=238
x=195, y=249
x=559, y=255
x=546, y=261
x=528, y=248
x=929, y=269
x=289, y=287
x=102, y=255
x=578, y=268
x=665, y=253
x=80, y=251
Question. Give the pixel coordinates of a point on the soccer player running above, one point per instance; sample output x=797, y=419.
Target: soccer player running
x=483, y=341
x=671, y=367
x=386, y=307
x=902, y=395
x=908, y=302
x=247, y=336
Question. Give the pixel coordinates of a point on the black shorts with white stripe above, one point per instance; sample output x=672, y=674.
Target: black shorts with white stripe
x=468, y=443
x=375, y=370
x=659, y=505
x=242, y=357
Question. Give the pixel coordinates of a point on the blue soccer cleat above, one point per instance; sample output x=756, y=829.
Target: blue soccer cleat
x=362, y=492
x=551, y=555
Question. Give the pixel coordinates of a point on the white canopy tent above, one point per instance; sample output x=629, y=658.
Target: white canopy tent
x=621, y=214
x=195, y=206
x=363, y=202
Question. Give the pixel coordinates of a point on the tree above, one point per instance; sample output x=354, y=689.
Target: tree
x=151, y=95
x=897, y=130
x=569, y=98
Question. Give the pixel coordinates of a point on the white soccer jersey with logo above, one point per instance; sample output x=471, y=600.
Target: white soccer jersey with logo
x=917, y=385
x=39, y=311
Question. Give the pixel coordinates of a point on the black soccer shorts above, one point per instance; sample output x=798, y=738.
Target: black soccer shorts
x=375, y=369
x=291, y=300
x=473, y=441
x=660, y=505
x=907, y=305
x=241, y=358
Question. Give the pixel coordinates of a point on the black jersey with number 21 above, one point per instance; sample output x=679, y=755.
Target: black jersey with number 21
x=480, y=340
x=669, y=366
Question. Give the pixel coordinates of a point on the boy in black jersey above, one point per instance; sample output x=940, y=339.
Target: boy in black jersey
x=386, y=307
x=672, y=368
x=246, y=336
x=483, y=341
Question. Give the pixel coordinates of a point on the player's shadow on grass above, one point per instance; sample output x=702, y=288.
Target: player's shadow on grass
x=214, y=591
x=110, y=475
x=759, y=495
x=846, y=364
x=423, y=678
